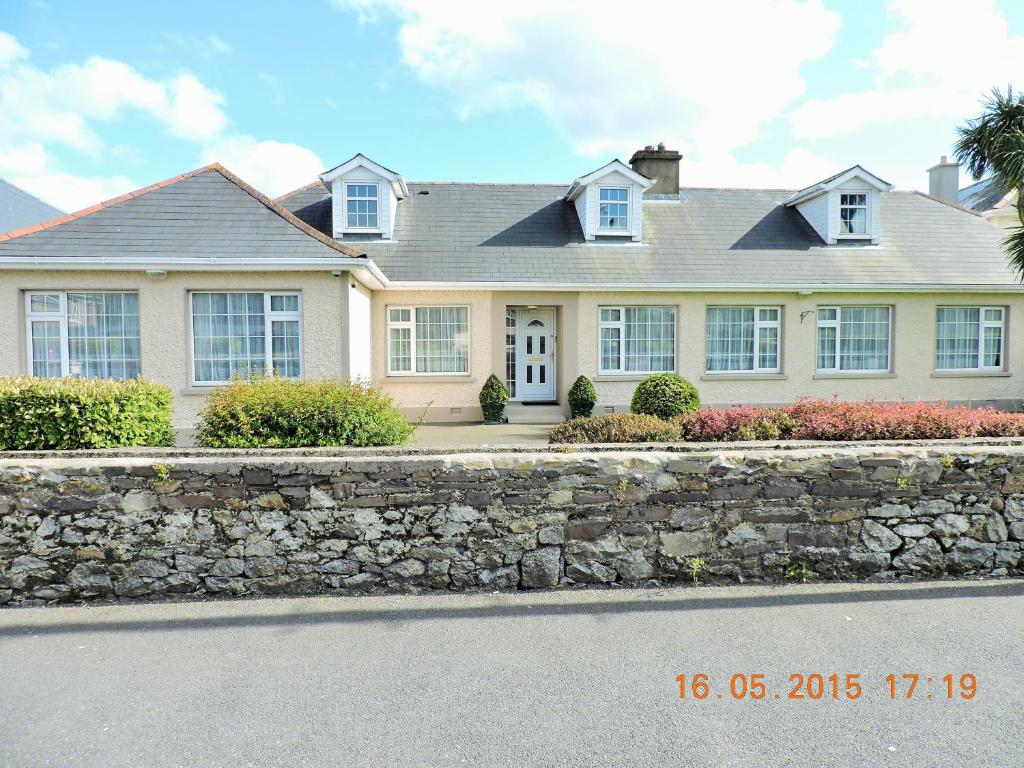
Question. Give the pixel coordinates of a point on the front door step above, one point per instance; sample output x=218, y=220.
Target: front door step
x=517, y=413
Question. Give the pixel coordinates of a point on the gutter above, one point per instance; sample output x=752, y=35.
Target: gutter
x=801, y=288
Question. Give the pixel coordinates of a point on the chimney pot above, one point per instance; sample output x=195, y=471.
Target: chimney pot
x=659, y=164
x=945, y=159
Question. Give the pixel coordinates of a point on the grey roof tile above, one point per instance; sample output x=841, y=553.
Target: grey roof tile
x=715, y=237
x=982, y=195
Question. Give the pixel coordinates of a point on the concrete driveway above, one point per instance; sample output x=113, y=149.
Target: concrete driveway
x=582, y=678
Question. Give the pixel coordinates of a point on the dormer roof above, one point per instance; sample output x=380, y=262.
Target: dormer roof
x=362, y=161
x=615, y=166
x=836, y=181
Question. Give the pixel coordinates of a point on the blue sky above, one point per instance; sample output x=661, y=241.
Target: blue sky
x=100, y=98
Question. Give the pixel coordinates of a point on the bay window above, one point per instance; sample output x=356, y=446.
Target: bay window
x=637, y=340
x=83, y=333
x=970, y=338
x=853, y=339
x=743, y=339
x=428, y=340
x=237, y=334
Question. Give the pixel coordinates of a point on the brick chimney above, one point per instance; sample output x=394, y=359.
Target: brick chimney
x=659, y=164
x=944, y=181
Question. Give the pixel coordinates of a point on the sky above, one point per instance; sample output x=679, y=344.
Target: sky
x=97, y=99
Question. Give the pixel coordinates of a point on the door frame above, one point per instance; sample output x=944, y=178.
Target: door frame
x=552, y=313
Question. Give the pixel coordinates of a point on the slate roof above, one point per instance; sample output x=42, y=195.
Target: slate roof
x=20, y=209
x=512, y=233
x=982, y=195
x=206, y=215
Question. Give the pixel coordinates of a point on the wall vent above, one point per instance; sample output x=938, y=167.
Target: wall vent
x=609, y=409
x=455, y=411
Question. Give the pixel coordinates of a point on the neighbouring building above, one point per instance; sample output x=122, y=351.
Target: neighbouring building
x=20, y=209
x=846, y=287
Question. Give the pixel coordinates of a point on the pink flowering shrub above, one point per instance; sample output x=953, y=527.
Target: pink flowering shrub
x=739, y=423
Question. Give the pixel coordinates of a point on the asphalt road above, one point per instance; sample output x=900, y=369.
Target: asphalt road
x=574, y=679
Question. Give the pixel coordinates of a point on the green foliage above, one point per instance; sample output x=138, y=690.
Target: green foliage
x=801, y=572
x=582, y=397
x=665, y=395
x=161, y=472
x=493, y=392
x=993, y=143
x=695, y=564
x=279, y=413
x=68, y=413
x=615, y=428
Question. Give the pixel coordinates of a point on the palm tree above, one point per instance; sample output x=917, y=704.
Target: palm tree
x=994, y=144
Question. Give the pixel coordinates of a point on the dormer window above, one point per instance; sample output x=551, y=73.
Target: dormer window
x=361, y=206
x=614, y=213
x=853, y=214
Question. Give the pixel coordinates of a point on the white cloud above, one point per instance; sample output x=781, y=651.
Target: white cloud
x=10, y=50
x=272, y=167
x=797, y=169
x=30, y=167
x=61, y=105
x=703, y=77
x=939, y=64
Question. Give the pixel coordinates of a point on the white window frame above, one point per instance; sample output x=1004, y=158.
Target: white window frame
x=837, y=324
x=357, y=182
x=65, y=343
x=758, y=325
x=982, y=325
x=268, y=347
x=411, y=325
x=629, y=210
x=866, y=234
x=620, y=324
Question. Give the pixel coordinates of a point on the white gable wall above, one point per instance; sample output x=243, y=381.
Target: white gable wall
x=816, y=211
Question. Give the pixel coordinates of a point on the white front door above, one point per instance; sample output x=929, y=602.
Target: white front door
x=535, y=351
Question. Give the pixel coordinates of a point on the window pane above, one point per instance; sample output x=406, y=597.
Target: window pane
x=48, y=302
x=46, y=348
x=614, y=216
x=229, y=337
x=650, y=339
x=285, y=351
x=442, y=340
x=730, y=339
x=827, y=314
x=610, y=315
x=284, y=303
x=768, y=347
x=826, y=348
x=956, y=338
x=103, y=335
x=400, y=316
x=611, y=349
x=510, y=351
x=864, y=339
x=993, y=352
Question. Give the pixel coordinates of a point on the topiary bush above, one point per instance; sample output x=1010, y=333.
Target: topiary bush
x=280, y=413
x=582, y=397
x=615, y=428
x=67, y=413
x=493, y=397
x=665, y=395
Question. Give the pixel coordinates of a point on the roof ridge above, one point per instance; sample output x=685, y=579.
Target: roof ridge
x=64, y=219
x=269, y=203
x=303, y=188
x=945, y=202
x=284, y=213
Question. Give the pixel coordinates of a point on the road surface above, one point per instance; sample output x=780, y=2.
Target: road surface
x=585, y=678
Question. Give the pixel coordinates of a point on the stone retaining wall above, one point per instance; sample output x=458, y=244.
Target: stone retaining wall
x=73, y=528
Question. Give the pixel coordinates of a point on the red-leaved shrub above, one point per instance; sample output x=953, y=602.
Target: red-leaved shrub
x=740, y=423
x=869, y=420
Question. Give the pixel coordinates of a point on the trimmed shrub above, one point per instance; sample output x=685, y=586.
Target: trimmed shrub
x=665, y=395
x=67, y=413
x=582, y=397
x=615, y=428
x=493, y=397
x=279, y=413
x=869, y=420
x=740, y=423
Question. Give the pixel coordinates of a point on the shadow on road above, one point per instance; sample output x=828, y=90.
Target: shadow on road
x=609, y=604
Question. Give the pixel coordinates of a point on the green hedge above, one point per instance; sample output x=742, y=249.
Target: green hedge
x=279, y=413
x=665, y=395
x=66, y=413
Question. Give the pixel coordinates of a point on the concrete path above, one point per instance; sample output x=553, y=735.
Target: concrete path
x=582, y=678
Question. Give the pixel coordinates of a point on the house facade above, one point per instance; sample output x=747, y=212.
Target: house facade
x=846, y=287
